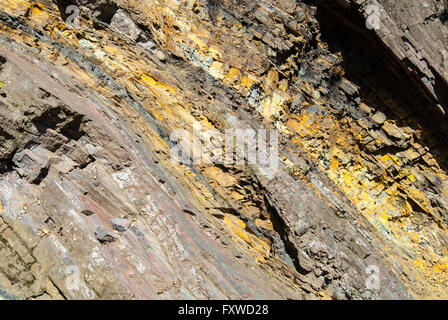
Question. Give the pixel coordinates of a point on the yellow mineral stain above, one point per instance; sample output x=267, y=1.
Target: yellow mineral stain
x=420, y=264
x=154, y=83
x=15, y=7
x=248, y=81
x=259, y=248
x=440, y=267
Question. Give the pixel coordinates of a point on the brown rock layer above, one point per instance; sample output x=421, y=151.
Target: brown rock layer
x=94, y=206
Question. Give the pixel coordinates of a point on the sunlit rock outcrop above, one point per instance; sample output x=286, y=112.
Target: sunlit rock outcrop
x=115, y=182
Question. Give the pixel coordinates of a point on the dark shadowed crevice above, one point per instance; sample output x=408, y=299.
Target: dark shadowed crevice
x=213, y=9
x=283, y=231
x=42, y=175
x=2, y=62
x=102, y=10
x=386, y=83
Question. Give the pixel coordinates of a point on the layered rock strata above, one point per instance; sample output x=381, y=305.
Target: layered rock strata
x=95, y=206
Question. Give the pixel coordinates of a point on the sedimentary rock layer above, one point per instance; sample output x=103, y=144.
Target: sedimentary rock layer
x=95, y=206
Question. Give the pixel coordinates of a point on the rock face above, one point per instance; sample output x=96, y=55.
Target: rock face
x=103, y=194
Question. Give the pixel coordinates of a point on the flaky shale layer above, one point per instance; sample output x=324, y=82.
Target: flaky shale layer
x=95, y=206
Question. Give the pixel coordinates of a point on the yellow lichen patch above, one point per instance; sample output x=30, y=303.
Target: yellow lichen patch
x=201, y=42
x=389, y=160
x=157, y=114
x=305, y=124
x=386, y=199
x=283, y=85
x=15, y=7
x=440, y=267
x=249, y=80
x=188, y=171
x=38, y=15
x=232, y=76
x=151, y=82
x=271, y=82
x=323, y=295
x=158, y=138
x=414, y=236
x=111, y=50
x=257, y=247
x=222, y=178
x=264, y=224
x=272, y=106
x=217, y=70
x=420, y=264
x=206, y=124
x=214, y=53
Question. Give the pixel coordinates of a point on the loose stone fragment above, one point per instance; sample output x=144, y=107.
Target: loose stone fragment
x=119, y=224
x=105, y=236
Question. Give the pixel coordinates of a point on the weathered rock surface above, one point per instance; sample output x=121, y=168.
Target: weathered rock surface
x=93, y=206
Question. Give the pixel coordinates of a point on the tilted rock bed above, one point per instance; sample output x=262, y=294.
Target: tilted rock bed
x=94, y=207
